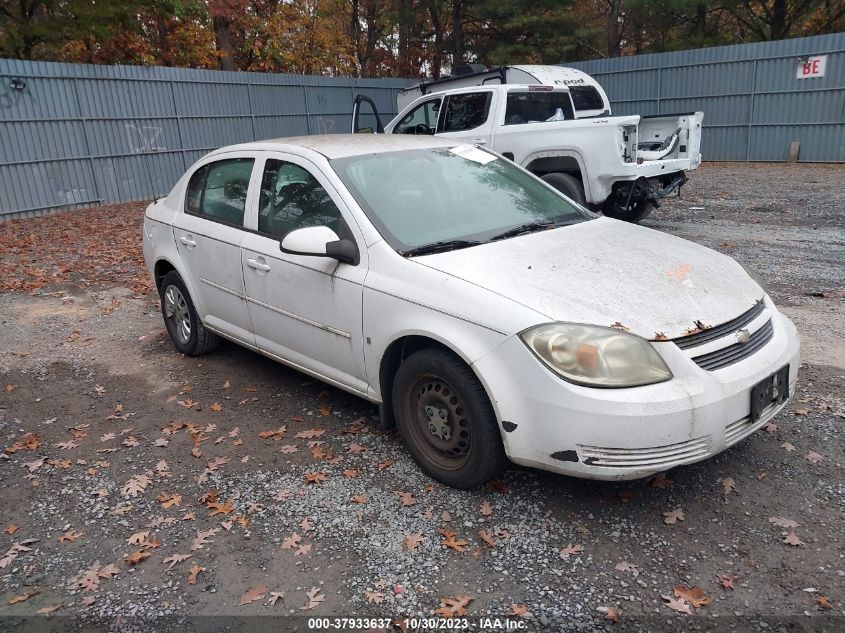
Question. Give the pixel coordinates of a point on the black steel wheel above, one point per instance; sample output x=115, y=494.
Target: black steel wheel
x=446, y=420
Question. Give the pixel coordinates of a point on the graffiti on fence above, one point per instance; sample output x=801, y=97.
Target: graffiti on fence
x=143, y=139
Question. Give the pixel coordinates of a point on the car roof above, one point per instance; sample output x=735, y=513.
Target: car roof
x=343, y=145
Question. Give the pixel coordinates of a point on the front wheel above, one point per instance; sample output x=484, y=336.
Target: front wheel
x=446, y=420
x=183, y=324
x=568, y=185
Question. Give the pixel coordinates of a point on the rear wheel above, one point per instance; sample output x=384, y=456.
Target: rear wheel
x=186, y=330
x=568, y=185
x=446, y=420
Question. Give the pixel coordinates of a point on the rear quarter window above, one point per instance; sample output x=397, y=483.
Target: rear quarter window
x=586, y=98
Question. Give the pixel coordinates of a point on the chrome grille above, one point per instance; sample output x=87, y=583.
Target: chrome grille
x=718, y=331
x=736, y=352
x=656, y=457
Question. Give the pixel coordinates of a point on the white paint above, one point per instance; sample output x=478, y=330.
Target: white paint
x=335, y=321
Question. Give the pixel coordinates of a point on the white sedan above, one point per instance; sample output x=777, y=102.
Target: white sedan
x=488, y=316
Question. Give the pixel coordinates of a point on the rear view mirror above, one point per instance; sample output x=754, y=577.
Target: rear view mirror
x=320, y=241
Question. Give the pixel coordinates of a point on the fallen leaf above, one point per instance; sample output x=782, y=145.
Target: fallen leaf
x=11, y=528
x=24, y=596
x=788, y=447
x=762, y=475
x=385, y=464
x=823, y=602
x=216, y=407
x=486, y=509
x=612, y=614
x=802, y=411
x=627, y=567
x=771, y=427
x=792, y=538
x=50, y=609
x=572, y=550
x=412, y=540
x=449, y=540
x=783, y=522
x=674, y=516
x=138, y=538
x=405, y=498
x=728, y=484
x=485, y=536
x=203, y=538
x=288, y=448
x=726, y=580
x=360, y=499
x=172, y=561
x=168, y=501
x=136, y=485
x=253, y=594
x=374, y=597
x=310, y=434
x=351, y=473
x=291, y=541
x=219, y=508
x=69, y=537
x=518, y=611
x=193, y=573
x=813, y=457
x=355, y=448
x=679, y=605
x=136, y=557
x=661, y=481
x=314, y=598
x=303, y=550
x=453, y=607
x=317, y=477
x=694, y=595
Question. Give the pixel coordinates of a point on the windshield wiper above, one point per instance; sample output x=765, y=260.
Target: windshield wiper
x=522, y=229
x=438, y=247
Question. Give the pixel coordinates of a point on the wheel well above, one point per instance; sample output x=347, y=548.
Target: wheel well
x=162, y=267
x=394, y=354
x=555, y=164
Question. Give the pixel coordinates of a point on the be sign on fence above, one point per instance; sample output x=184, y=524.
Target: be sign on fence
x=812, y=67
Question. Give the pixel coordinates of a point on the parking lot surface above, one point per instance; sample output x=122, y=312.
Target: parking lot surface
x=138, y=483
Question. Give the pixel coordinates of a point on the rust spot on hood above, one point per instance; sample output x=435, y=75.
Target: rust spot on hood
x=679, y=272
x=619, y=326
x=697, y=327
x=660, y=336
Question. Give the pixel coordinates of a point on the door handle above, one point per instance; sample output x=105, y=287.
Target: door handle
x=187, y=241
x=254, y=263
x=479, y=141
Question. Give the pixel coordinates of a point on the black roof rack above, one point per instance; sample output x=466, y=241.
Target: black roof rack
x=425, y=86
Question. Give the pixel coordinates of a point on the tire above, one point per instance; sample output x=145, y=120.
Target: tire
x=639, y=212
x=183, y=325
x=446, y=420
x=568, y=185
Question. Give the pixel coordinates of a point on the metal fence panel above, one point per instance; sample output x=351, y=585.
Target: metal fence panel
x=78, y=135
x=754, y=106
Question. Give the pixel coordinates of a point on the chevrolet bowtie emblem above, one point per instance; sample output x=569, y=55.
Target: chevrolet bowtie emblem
x=742, y=336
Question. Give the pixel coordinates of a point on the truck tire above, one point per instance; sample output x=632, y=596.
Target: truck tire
x=568, y=185
x=639, y=211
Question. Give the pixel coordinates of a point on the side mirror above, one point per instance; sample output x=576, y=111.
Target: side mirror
x=320, y=241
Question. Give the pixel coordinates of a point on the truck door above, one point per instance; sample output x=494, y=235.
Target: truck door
x=362, y=121
x=469, y=116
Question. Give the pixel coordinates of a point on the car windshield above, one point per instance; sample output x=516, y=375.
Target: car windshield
x=431, y=199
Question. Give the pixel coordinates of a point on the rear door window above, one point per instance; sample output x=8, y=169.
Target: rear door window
x=534, y=107
x=217, y=191
x=466, y=111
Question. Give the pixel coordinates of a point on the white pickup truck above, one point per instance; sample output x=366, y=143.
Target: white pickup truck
x=556, y=122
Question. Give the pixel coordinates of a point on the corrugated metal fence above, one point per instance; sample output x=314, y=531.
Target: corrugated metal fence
x=78, y=135
x=754, y=106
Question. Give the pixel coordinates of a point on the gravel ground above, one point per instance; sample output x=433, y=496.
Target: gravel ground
x=94, y=399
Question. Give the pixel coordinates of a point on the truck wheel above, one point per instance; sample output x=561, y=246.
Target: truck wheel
x=638, y=211
x=568, y=185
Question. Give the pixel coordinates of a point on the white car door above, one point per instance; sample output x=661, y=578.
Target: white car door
x=304, y=310
x=208, y=233
x=468, y=116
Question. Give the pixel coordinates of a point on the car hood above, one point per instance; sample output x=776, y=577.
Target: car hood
x=610, y=273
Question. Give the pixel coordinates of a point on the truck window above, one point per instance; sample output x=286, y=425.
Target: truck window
x=466, y=111
x=586, y=98
x=533, y=107
x=420, y=120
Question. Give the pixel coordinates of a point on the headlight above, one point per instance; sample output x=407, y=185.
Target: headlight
x=596, y=356
x=755, y=276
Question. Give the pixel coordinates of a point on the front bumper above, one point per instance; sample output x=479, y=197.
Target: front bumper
x=619, y=434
